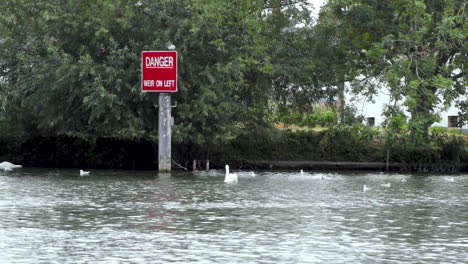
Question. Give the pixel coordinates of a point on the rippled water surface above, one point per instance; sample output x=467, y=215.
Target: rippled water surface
x=55, y=216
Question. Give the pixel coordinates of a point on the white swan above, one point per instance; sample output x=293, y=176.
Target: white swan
x=403, y=180
x=450, y=179
x=8, y=166
x=365, y=188
x=252, y=174
x=84, y=173
x=230, y=177
x=386, y=185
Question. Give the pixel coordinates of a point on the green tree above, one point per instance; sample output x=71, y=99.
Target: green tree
x=293, y=81
x=235, y=64
x=73, y=67
x=417, y=47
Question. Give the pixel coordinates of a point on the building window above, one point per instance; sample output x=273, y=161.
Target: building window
x=453, y=121
x=371, y=121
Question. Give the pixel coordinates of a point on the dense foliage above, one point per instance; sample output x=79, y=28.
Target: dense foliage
x=417, y=48
x=70, y=74
x=72, y=67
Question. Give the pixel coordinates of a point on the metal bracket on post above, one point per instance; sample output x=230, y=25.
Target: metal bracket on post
x=172, y=106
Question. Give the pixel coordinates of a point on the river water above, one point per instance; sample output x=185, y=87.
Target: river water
x=56, y=216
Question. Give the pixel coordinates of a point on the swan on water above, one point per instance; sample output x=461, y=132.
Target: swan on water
x=365, y=188
x=84, y=173
x=450, y=179
x=230, y=177
x=8, y=166
x=403, y=180
x=252, y=174
x=386, y=185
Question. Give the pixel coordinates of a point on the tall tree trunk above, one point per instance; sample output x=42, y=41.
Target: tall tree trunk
x=421, y=114
x=341, y=97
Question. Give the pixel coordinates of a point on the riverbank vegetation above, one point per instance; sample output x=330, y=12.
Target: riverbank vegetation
x=250, y=72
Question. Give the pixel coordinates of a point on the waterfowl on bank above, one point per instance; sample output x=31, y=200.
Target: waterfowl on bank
x=230, y=177
x=8, y=166
x=84, y=173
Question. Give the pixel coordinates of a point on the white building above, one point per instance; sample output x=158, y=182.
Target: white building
x=372, y=111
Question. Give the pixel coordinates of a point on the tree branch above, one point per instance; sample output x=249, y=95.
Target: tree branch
x=457, y=76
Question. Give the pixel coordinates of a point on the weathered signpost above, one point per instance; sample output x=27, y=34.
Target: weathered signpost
x=159, y=74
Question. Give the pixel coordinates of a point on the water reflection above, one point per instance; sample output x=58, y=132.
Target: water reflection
x=55, y=216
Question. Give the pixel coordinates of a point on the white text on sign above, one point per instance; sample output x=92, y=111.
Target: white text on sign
x=159, y=83
x=159, y=62
x=149, y=83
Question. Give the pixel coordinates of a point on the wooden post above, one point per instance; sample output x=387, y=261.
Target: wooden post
x=388, y=158
x=164, y=133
